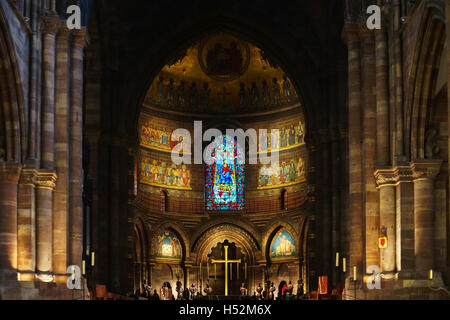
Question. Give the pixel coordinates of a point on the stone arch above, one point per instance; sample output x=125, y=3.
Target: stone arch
x=12, y=106
x=423, y=77
x=179, y=232
x=221, y=232
x=274, y=226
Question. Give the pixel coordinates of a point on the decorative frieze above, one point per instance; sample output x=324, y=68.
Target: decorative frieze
x=425, y=169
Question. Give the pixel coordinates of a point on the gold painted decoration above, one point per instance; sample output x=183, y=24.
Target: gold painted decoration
x=161, y=174
x=287, y=138
x=282, y=174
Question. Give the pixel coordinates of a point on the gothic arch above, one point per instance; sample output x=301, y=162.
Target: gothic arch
x=178, y=230
x=423, y=77
x=11, y=98
x=222, y=232
x=274, y=226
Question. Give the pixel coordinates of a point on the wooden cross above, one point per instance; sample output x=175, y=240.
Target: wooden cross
x=226, y=262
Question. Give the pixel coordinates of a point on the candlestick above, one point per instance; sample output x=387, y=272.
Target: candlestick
x=354, y=273
x=73, y=273
x=215, y=271
x=431, y=274
x=344, y=265
x=245, y=270
x=201, y=270
x=337, y=259
x=84, y=267
x=93, y=259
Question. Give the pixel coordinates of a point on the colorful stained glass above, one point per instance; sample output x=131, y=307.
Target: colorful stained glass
x=224, y=175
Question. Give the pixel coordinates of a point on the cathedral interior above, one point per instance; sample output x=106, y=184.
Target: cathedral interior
x=92, y=201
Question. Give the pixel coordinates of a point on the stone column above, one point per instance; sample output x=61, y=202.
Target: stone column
x=76, y=148
x=61, y=195
x=45, y=183
x=424, y=172
x=386, y=185
x=26, y=225
x=355, y=214
x=50, y=26
x=382, y=89
x=9, y=178
x=372, y=217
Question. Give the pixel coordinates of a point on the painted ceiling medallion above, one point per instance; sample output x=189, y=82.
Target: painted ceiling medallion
x=223, y=57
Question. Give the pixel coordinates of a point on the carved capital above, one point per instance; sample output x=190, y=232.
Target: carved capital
x=46, y=179
x=425, y=169
x=63, y=31
x=28, y=177
x=385, y=177
x=80, y=37
x=50, y=24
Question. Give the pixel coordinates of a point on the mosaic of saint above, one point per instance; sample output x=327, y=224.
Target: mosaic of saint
x=283, y=245
x=168, y=246
x=282, y=174
x=160, y=174
x=158, y=138
x=224, y=189
x=286, y=138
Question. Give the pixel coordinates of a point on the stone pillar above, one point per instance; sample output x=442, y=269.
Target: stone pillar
x=372, y=217
x=45, y=183
x=26, y=225
x=50, y=26
x=76, y=148
x=61, y=195
x=386, y=186
x=424, y=172
x=382, y=89
x=404, y=221
x=9, y=178
x=355, y=216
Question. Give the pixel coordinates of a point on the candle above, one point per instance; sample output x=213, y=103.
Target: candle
x=337, y=259
x=237, y=271
x=207, y=269
x=84, y=267
x=431, y=274
x=93, y=259
x=215, y=271
x=354, y=273
x=231, y=271
x=344, y=265
x=200, y=270
x=73, y=273
x=245, y=270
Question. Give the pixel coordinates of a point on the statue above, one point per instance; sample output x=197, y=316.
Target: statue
x=166, y=291
x=243, y=290
x=170, y=92
x=208, y=290
x=205, y=96
x=192, y=291
x=299, y=289
x=272, y=290
x=180, y=290
x=290, y=288
x=148, y=289
x=180, y=91
x=259, y=290
x=254, y=95
x=242, y=96
x=160, y=90
x=276, y=92
x=287, y=89
x=265, y=93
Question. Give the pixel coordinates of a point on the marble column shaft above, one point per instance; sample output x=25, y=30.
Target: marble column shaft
x=45, y=184
x=61, y=195
x=355, y=215
x=424, y=173
x=76, y=148
x=372, y=217
x=9, y=178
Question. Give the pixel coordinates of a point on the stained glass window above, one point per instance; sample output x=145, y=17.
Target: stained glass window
x=224, y=188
